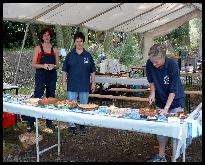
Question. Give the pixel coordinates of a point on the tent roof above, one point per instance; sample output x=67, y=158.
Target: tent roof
x=124, y=17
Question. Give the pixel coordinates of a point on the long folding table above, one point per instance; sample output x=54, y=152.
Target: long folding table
x=177, y=131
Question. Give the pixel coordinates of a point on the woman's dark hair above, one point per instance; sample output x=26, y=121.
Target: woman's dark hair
x=44, y=30
x=79, y=35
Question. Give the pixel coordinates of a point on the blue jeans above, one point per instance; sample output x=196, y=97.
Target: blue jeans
x=73, y=96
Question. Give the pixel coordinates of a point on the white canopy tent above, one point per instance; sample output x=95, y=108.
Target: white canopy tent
x=153, y=19
x=126, y=17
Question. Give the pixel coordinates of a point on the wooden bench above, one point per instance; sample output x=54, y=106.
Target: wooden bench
x=117, y=97
x=147, y=90
x=193, y=92
x=127, y=90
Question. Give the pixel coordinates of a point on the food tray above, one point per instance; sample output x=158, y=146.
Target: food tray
x=88, y=107
x=32, y=101
x=66, y=104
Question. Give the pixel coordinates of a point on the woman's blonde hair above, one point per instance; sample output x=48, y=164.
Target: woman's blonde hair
x=157, y=50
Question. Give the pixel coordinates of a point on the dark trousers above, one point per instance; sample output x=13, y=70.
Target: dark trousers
x=44, y=81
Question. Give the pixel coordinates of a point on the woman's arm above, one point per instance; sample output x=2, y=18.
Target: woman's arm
x=169, y=100
x=57, y=65
x=168, y=104
x=152, y=93
x=34, y=60
x=64, y=80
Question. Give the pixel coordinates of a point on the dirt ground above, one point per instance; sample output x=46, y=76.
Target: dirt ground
x=98, y=145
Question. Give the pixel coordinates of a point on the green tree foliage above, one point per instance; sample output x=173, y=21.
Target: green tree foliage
x=178, y=38
x=13, y=34
x=85, y=32
x=127, y=50
x=186, y=36
x=34, y=33
x=195, y=29
x=67, y=36
x=108, y=43
x=59, y=36
x=95, y=42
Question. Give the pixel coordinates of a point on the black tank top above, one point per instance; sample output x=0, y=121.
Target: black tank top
x=48, y=58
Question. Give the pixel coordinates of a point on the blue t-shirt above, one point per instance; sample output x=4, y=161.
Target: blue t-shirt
x=166, y=80
x=79, y=69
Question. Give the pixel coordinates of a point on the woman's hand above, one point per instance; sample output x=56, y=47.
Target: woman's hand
x=51, y=66
x=93, y=87
x=46, y=66
x=65, y=86
x=151, y=98
x=162, y=111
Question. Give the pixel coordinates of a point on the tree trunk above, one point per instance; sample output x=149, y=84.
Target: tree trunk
x=67, y=37
x=85, y=32
x=140, y=41
x=34, y=34
x=108, y=42
x=186, y=40
x=59, y=36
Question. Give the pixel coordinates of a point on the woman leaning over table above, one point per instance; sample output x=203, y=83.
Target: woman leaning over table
x=166, y=89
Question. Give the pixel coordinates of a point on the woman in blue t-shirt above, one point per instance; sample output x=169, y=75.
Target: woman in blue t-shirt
x=166, y=89
x=78, y=73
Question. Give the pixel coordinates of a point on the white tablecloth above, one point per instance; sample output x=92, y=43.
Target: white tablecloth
x=96, y=119
x=9, y=86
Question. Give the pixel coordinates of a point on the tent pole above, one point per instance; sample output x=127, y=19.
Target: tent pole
x=24, y=39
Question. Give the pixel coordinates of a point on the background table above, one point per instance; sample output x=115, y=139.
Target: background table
x=139, y=70
x=10, y=87
x=122, y=80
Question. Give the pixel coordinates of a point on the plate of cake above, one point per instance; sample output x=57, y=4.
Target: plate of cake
x=47, y=101
x=88, y=107
x=33, y=101
x=66, y=104
x=117, y=111
x=145, y=112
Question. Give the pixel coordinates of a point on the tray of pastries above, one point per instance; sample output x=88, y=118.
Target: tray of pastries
x=47, y=101
x=181, y=115
x=88, y=107
x=117, y=111
x=66, y=104
x=145, y=112
x=33, y=101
